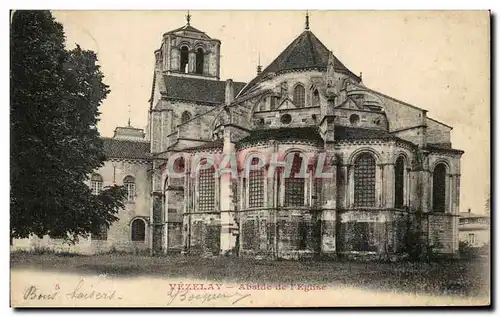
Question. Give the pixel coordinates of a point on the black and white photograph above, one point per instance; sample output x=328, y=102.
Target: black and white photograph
x=218, y=158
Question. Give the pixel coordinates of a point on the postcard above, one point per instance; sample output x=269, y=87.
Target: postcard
x=250, y=158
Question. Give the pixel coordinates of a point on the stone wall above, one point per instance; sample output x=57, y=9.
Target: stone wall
x=203, y=233
x=368, y=120
x=440, y=233
x=438, y=133
x=284, y=233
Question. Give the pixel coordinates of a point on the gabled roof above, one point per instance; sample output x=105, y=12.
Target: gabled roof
x=198, y=89
x=305, y=52
x=119, y=148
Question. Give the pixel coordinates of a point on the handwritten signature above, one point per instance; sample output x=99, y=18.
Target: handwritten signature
x=188, y=296
x=81, y=292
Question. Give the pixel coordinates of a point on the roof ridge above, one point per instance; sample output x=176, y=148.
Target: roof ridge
x=124, y=139
x=306, y=51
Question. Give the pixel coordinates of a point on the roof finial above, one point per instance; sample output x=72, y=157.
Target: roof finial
x=188, y=18
x=361, y=75
x=307, y=19
x=129, y=116
x=259, y=66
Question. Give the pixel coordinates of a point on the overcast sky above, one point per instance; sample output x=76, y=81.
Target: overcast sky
x=438, y=61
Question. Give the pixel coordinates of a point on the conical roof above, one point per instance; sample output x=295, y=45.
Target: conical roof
x=305, y=52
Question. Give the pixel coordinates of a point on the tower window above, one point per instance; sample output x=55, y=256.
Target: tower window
x=299, y=96
x=184, y=59
x=199, y=61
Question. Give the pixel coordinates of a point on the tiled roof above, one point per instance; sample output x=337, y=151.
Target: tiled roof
x=347, y=133
x=119, y=148
x=209, y=145
x=446, y=145
x=308, y=133
x=312, y=134
x=198, y=89
x=305, y=52
x=442, y=147
x=473, y=215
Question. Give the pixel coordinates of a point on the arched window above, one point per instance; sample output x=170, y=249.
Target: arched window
x=200, y=56
x=206, y=189
x=186, y=116
x=399, y=182
x=299, y=96
x=439, y=188
x=179, y=165
x=294, y=184
x=256, y=186
x=364, y=180
x=129, y=183
x=315, y=97
x=138, y=228
x=273, y=103
x=184, y=59
x=96, y=184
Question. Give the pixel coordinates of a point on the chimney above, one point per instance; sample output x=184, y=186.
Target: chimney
x=469, y=210
x=229, y=91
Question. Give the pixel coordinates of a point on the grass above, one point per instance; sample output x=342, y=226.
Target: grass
x=460, y=278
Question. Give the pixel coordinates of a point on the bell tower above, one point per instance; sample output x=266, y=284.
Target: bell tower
x=189, y=52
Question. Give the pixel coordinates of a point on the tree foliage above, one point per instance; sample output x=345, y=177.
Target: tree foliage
x=55, y=145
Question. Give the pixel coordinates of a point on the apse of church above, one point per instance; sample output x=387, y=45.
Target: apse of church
x=393, y=176
x=393, y=167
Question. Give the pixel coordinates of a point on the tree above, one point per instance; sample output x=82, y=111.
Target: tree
x=55, y=145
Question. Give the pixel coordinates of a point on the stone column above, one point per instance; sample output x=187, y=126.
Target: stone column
x=380, y=185
x=349, y=172
x=389, y=180
x=329, y=206
x=408, y=187
x=216, y=71
x=166, y=203
x=273, y=202
x=227, y=206
x=426, y=186
x=192, y=62
x=152, y=225
x=188, y=208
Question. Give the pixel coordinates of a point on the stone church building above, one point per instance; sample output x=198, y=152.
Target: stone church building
x=396, y=177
